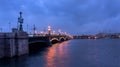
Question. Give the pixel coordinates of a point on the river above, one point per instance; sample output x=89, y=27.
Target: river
x=73, y=53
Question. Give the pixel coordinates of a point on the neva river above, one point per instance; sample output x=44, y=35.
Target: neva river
x=73, y=53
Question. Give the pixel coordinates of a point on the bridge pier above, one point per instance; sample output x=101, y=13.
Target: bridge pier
x=13, y=44
x=21, y=42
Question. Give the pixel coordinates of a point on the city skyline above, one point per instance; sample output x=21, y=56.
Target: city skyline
x=75, y=17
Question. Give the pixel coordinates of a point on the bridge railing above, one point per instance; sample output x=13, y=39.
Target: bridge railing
x=52, y=35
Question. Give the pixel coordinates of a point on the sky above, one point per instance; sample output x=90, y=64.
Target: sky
x=73, y=16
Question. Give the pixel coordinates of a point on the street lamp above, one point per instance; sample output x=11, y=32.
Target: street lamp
x=49, y=29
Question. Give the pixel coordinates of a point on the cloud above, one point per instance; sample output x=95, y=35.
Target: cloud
x=73, y=16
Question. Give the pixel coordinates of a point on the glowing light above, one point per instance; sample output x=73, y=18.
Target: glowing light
x=35, y=32
x=49, y=28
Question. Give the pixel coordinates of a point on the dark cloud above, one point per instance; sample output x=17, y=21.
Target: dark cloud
x=73, y=16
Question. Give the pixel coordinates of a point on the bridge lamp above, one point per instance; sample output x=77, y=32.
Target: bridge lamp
x=49, y=29
x=35, y=32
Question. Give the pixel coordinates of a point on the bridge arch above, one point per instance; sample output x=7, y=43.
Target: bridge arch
x=54, y=40
x=62, y=39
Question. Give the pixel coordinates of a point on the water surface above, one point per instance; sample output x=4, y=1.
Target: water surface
x=73, y=53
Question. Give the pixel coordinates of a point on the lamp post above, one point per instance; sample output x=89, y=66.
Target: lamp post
x=49, y=30
x=34, y=30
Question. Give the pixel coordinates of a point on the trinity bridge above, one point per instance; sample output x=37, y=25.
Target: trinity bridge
x=18, y=42
x=49, y=37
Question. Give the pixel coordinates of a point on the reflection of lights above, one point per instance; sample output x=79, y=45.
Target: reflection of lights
x=89, y=37
x=119, y=36
x=50, y=57
x=95, y=37
x=55, y=52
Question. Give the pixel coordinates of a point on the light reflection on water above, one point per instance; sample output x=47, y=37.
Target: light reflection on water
x=56, y=52
x=74, y=53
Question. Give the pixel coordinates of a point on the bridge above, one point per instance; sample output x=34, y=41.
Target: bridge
x=18, y=42
x=48, y=39
x=38, y=42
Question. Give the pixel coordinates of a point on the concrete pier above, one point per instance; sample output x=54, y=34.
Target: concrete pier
x=13, y=44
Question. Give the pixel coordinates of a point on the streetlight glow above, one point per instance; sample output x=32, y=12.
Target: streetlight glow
x=49, y=28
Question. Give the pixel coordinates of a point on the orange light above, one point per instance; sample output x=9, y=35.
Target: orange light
x=49, y=28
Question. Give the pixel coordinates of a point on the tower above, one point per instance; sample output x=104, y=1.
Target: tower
x=20, y=22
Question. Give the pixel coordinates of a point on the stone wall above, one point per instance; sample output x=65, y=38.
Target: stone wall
x=13, y=44
x=1, y=45
x=9, y=46
x=22, y=43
